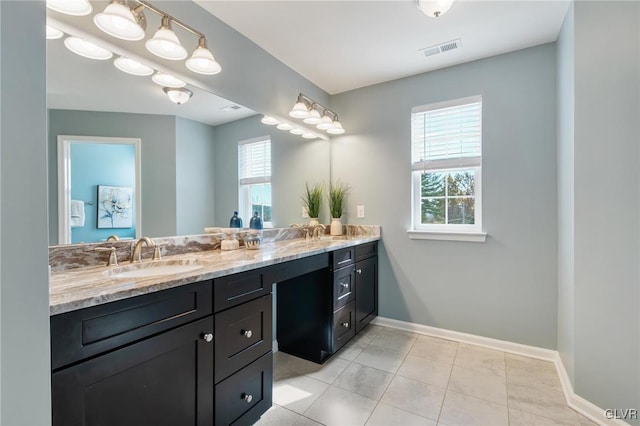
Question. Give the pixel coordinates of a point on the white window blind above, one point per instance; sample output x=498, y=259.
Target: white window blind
x=447, y=135
x=254, y=161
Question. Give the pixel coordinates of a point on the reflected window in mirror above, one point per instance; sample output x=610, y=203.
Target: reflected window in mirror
x=254, y=179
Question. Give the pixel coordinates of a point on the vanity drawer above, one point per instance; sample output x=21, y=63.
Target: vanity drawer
x=87, y=332
x=244, y=397
x=364, y=251
x=343, y=326
x=343, y=286
x=242, y=334
x=235, y=289
x=342, y=258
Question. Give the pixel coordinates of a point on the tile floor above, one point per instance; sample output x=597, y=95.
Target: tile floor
x=391, y=377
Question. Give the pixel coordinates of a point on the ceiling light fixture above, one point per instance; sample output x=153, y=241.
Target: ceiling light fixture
x=121, y=21
x=178, y=95
x=202, y=60
x=70, y=7
x=269, y=121
x=53, y=33
x=167, y=80
x=308, y=110
x=132, y=67
x=434, y=8
x=87, y=49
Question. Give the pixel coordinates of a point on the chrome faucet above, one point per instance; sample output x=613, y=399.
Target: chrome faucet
x=136, y=252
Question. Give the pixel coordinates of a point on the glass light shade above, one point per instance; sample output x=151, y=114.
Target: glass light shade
x=53, y=33
x=167, y=80
x=337, y=128
x=269, y=121
x=434, y=8
x=87, y=49
x=132, y=67
x=314, y=117
x=166, y=45
x=118, y=20
x=203, y=62
x=309, y=136
x=326, y=123
x=299, y=110
x=178, y=95
x=296, y=131
x=284, y=126
x=70, y=7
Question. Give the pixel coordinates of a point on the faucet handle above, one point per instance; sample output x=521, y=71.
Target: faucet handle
x=157, y=255
x=113, y=257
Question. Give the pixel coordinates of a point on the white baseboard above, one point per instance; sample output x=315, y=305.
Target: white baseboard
x=579, y=404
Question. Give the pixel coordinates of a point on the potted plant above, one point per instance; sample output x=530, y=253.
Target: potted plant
x=311, y=200
x=337, y=198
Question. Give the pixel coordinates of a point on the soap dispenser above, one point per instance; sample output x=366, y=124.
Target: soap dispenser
x=235, y=221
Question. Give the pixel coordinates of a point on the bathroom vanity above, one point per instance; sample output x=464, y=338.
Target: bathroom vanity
x=195, y=348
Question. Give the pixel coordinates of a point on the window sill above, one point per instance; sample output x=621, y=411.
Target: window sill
x=474, y=237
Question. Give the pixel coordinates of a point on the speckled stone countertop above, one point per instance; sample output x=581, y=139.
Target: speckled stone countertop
x=79, y=288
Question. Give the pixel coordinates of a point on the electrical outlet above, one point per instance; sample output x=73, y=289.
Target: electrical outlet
x=360, y=212
x=305, y=212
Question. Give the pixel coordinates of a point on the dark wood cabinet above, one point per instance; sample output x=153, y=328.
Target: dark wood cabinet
x=366, y=277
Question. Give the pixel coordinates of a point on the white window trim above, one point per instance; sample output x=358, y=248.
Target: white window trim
x=244, y=197
x=469, y=233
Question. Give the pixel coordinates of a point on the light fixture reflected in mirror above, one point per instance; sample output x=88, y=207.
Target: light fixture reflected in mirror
x=167, y=80
x=297, y=132
x=53, y=33
x=165, y=43
x=87, y=49
x=178, y=95
x=434, y=8
x=269, y=121
x=309, y=136
x=132, y=67
x=70, y=7
x=119, y=20
x=284, y=126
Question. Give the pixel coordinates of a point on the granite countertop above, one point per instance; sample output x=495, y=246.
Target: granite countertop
x=84, y=287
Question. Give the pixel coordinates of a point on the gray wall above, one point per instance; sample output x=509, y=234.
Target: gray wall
x=565, y=148
x=506, y=287
x=158, y=152
x=607, y=203
x=195, y=189
x=24, y=303
x=294, y=161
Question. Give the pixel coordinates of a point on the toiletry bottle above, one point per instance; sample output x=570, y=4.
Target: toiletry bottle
x=236, y=221
x=255, y=222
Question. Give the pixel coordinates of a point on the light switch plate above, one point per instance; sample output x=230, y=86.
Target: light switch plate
x=360, y=212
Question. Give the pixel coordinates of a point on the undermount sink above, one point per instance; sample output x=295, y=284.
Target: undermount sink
x=154, y=268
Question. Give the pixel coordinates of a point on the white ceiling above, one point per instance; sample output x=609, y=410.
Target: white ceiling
x=344, y=45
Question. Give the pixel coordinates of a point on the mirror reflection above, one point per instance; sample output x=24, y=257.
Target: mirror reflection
x=189, y=154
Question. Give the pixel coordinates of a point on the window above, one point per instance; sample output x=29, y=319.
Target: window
x=446, y=151
x=254, y=179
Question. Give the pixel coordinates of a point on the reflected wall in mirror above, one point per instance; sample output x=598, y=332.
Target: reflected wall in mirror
x=86, y=163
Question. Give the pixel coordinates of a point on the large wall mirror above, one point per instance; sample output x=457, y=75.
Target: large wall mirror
x=187, y=156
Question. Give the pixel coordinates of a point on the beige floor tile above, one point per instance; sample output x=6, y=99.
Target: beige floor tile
x=585, y=421
x=305, y=421
x=386, y=415
x=435, y=349
x=286, y=366
x=381, y=358
x=416, y=397
x=463, y=410
x=426, y=371
x=352, y=349
x=481, y=360
x=297, y=393
x=366, y=381
x=543, y=401
x=522, y=418
x=278, y=416
x=330, y=370
x=490, y=387
x=340, y=407
x=531, y=372
x=370, y=332
x=394, y=339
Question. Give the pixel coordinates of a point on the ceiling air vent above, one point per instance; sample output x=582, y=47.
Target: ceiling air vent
x=231, y=108
x=442, y=47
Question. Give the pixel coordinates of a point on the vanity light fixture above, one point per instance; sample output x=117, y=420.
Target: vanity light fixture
x=297, y=132
x=202, y=60
x=434, y=8
x=121, y=21
x=132, y=67
x=284, y=126
x=308, y=110
x=167, y=80
x=309, y=136
x=53, y=33
x=178, y=95
x=269, y=121
x=165, y=43
x=70, y=7
x=87, y=49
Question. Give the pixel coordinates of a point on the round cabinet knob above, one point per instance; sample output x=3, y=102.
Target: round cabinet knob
x=247, y=333
x=208, y=337
x=359, y=271
x=345, y=324
x=248, y=398
x=345, y=285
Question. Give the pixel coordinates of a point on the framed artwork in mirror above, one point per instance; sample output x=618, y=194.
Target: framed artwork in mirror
x=114, y=206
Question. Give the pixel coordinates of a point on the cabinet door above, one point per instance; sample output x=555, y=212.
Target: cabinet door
x=163, y=380
x=366, y=292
